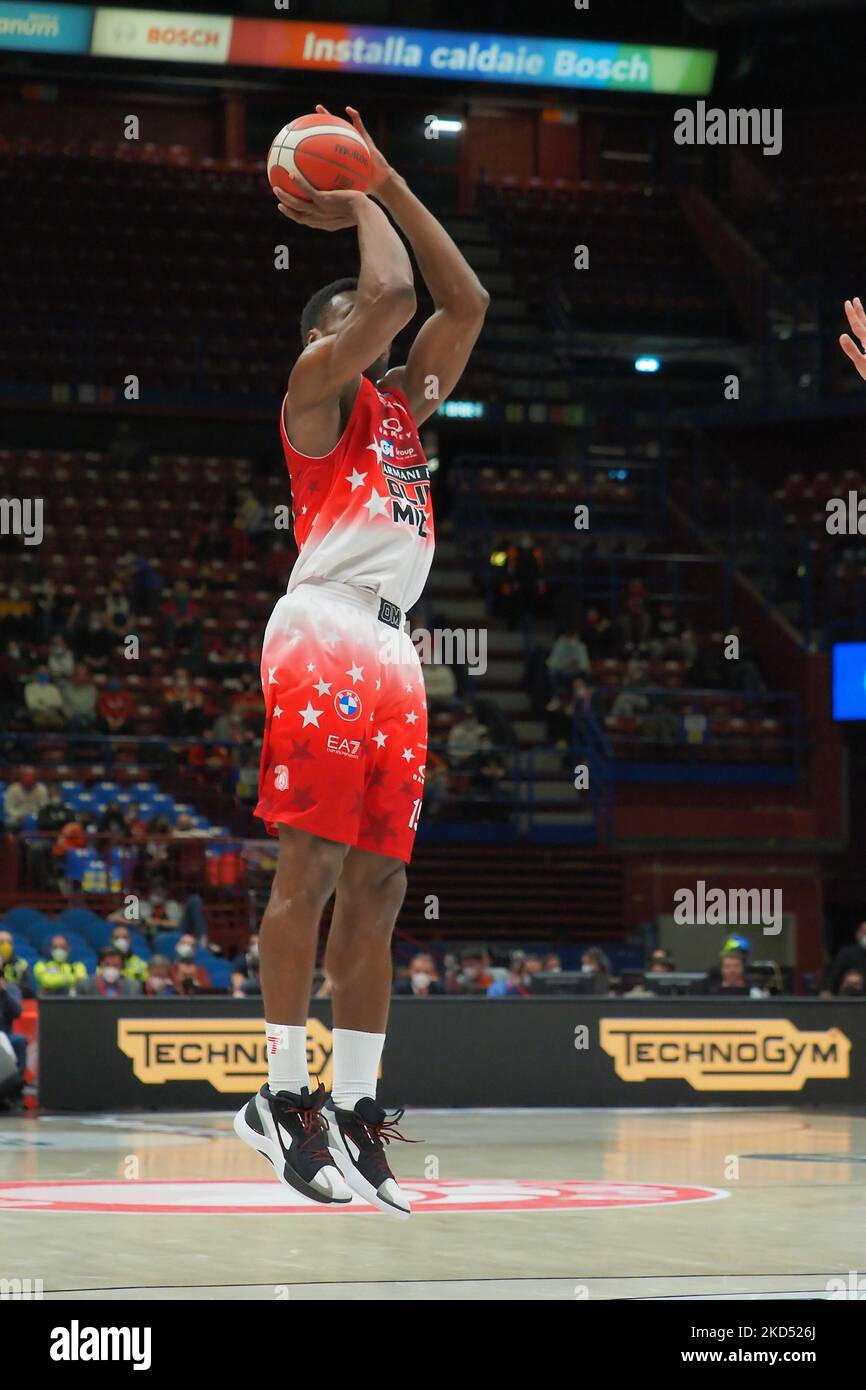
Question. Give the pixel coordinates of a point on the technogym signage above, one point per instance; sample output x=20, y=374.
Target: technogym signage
x=725, y=1054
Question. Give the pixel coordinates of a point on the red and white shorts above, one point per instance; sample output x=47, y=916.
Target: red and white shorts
x=345, y=721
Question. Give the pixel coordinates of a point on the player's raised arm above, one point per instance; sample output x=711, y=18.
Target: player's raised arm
x=441, y=350
x=383, y=303
x=857, y=318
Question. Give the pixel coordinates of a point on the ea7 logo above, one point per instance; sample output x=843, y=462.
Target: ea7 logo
x=349, y=747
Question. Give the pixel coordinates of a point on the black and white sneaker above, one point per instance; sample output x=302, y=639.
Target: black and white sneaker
x=357, y=1140
x=291, y=1132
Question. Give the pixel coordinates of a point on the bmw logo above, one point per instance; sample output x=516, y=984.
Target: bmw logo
x=347, y=703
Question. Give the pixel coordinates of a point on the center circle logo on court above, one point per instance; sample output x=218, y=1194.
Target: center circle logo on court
x=254, y=1198
x=348, y=704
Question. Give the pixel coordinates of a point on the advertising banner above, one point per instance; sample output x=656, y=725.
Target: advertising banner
x=472, y=57
x=45, y=28
x=161, y=35
x=98, y=1054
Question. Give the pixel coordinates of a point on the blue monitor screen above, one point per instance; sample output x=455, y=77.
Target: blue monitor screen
x=849, y=680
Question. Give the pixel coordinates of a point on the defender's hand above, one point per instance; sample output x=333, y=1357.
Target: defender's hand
x=857, y=319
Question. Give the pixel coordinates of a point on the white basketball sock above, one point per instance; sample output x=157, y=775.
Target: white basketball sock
x=287, y=1057
x=355, y=1062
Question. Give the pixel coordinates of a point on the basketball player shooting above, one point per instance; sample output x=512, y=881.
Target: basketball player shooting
x=342, y=770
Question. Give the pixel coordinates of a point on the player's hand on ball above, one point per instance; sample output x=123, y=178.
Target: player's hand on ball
x=857, y=319
x=329, y=212
x=381, y=169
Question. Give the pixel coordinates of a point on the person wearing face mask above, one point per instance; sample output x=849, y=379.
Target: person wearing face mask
x=421, y=982
x=186, y=975
x=14, y=967
x=158, y=983
x=133, y=967
x=58, y=975
x=109, y=981
x=43, y=701
x=851, y=957
x=24, y=797
x=245, y=970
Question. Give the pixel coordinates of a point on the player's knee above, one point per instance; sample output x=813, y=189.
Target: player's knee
x=381, y=895
x=307, y=873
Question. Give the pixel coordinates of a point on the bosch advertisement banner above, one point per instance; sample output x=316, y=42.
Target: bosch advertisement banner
x=46, y=28
x=286, y=43
x=177, y=1054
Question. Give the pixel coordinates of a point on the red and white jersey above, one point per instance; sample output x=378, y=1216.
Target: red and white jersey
x=363, y=513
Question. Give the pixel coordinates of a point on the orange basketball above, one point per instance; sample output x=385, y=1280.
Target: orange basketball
x=327, y=150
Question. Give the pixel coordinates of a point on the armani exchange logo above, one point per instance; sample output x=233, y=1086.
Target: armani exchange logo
x=77, y=1343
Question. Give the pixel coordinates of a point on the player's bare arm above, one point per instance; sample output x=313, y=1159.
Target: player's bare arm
x=856, y=316
x=444, y=342
x=383, y=303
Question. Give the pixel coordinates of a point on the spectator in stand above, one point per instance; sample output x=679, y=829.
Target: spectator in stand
x=435, y=790
x=422, y=980
x=134, y=827
x=595, y=964
x=142, y=582
x=11, y=690
x=50, y=821
x=465, y=739
x=665, y=645
x=439, y=682
x=133, y=967
x=597, y=635
x=567, y=713
x=15, y=967
x=523, y=587
x=634, y=628
x=552, y=964
x=117, y=610
x=93, y=637
x=158, y=912
x=476, y=973
x=851, y=957
x=158, y=982
x=186, y=975
x=517, y=980
x=115, y=708
x=16, y=613
x=57, y=974
x=709, y=671
x=661, y=962
x=568, y=658
x=79, y=701
x=110, y=982
x=245, y=970
x=10, y=1010
x=488, y=778
x=180, y=617
x=23, y=798
x=61, y=661
x=249, y=523
x=731, y=974
x=630, y=703
x=51, y=611
x=853, y=983
x=43, y=701
x=112, y=821
x=246, y=703
x=184, y=709
x=55, y=813
x=211, y=542
x=229, y=659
